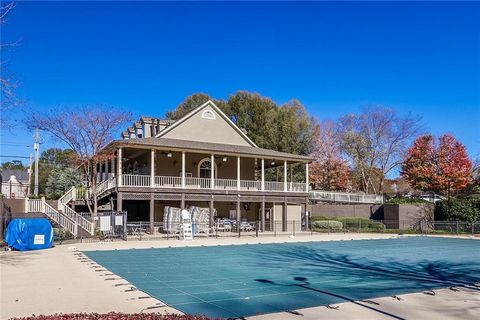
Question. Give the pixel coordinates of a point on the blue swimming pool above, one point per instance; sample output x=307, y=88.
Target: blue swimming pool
x=245, y=280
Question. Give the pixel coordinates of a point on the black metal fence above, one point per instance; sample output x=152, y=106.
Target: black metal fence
x=111, y=227
x=142, y=230
x=397, y=226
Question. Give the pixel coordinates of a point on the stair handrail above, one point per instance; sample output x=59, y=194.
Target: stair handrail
x=105, y=186
x=60, y=218
x=40, y=205
x=67, y=197
x=86, y=224
x=62, y=205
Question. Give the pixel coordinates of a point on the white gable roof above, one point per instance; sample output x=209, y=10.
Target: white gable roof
x=210, y=112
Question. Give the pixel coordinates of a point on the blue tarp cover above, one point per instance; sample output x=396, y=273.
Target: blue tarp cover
x=29, y=234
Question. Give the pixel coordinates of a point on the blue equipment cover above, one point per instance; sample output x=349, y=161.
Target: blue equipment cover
x=29, y=234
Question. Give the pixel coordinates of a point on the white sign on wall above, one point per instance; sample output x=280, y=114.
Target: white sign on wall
x=39, y=239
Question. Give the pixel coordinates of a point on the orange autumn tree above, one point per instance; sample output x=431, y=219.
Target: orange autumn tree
x=441, y=166
x=328, y=170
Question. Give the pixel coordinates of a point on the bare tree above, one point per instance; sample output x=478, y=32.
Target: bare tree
x=329, y=171
x=87, y=131
x=376, y=140
x=8, y=99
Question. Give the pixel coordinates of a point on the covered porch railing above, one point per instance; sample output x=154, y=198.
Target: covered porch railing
x=346, y=197
x=129, y=180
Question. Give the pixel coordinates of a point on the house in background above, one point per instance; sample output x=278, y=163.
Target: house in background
x=15, y=184
x=204, y=160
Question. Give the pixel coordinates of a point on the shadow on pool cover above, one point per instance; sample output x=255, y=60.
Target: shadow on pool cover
x=424, y=275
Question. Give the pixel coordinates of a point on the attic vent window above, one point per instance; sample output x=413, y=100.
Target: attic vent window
x=208, y=114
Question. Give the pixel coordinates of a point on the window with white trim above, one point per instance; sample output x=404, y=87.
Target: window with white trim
x=208, y=114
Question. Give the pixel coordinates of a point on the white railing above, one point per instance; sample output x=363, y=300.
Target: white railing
x=168, y=182
x=82, y=193
x=105, y=186
x=297, y=187
x=67, y=197
x=345, y=197
x=274, y=186
x=39, y=205
x=35, y=205
x=226, y=184
x=130, y=180
x=197, y=183
x=250, y=185
x=135, y=180
x=72, y=214
x=86, y=224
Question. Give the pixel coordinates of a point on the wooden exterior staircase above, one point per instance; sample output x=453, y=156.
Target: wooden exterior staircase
x=63, y=215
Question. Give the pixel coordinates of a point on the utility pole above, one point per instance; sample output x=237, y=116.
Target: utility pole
x=36, y=146
x=29, y=186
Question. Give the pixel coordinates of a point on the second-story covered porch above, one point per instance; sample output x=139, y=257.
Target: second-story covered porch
x=160, y=163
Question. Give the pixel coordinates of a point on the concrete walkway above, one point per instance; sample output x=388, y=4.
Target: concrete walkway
x=58, y=280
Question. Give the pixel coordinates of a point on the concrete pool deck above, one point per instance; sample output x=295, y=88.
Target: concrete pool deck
x=59, y=281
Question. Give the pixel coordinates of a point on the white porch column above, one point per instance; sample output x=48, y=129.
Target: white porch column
x=306, y=177
x=152, y=168
x=263, y=175
x=105, y=171
x=291, y=177
x=212, y=175
x=119, y=167
x=238, y=173
x=183, y=169
x=285, y=188
x=112, y=167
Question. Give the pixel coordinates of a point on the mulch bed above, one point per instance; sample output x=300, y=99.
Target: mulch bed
x=114, y=316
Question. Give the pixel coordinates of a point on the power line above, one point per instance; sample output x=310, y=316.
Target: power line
x=14, y=145
x=20, y=157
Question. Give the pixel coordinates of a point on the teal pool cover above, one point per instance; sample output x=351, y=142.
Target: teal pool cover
x=245, y=280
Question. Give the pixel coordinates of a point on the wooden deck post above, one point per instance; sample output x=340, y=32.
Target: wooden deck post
x=262, y=216
x=211, y=222
x=152, y=213
x=119, y=201
x=239, y=216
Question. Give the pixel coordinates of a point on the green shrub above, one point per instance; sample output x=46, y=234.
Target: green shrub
x=375, y=225
x=328, y=224
x=320, y=218
x=60, y=234
x=99, y=234
x=405, y=200
x=361, y=223
x=458, y=210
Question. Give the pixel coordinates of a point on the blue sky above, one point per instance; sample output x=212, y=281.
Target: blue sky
x=419, y=58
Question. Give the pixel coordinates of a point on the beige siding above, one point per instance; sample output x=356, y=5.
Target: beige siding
x=216, y=130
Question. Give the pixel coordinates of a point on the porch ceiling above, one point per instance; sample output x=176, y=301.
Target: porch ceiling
x=224, y=149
